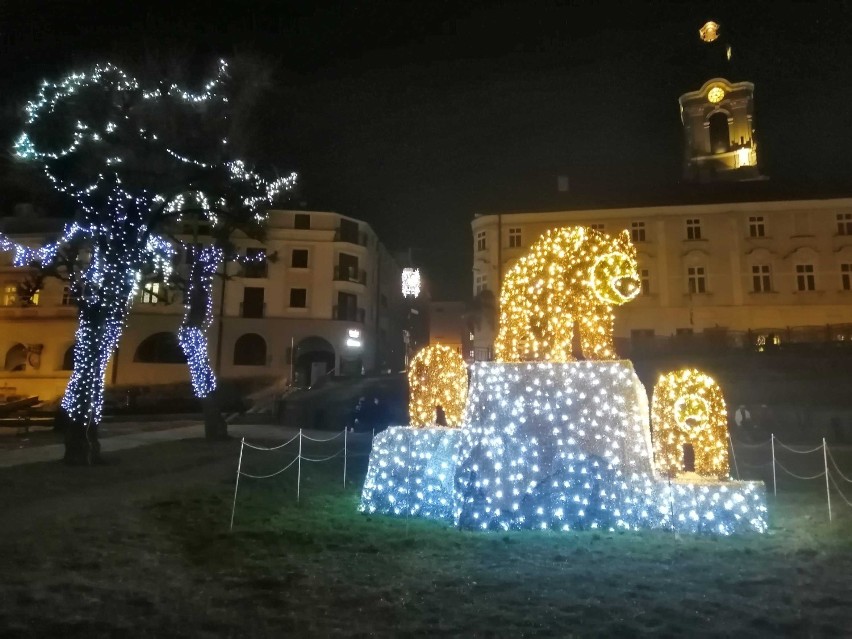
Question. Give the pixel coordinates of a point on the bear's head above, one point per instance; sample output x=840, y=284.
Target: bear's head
x=614, y=274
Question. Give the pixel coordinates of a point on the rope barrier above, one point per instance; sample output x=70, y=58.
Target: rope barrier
x=340, y=434
x=763, y=465
x=745, y=445
x=271, y=448
x=777, y=463
x=800, y=452
x=273, y=474
x=840, y=492
x=337, y=454
x=836, y=467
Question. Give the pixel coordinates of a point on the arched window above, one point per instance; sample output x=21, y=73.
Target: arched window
x=250, y=350
x=68, y=359
x=720, y=137
x=160, y=348
x=16, y=358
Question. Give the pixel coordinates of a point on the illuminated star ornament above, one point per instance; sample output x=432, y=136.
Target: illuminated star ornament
x=546, y=443
x=121, y=153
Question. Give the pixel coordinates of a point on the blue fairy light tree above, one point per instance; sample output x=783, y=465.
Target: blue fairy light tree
x=135, y=161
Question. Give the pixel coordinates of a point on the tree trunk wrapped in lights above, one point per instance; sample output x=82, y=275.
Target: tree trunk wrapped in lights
x=197, y=318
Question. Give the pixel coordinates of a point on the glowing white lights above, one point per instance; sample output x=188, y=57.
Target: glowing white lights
x=353, y=338
x=410, y=282
x=550, y=446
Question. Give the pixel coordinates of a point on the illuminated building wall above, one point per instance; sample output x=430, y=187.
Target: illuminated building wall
x=725, y=243
x=322, y=323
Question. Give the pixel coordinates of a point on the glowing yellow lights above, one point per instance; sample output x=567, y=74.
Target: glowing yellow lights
x=571, y=274
x=437, y=377
x=716, y=95
x=746, y=156
x=709, y=32
x=688, y=409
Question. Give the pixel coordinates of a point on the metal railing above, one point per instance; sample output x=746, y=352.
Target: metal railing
x=350, y=274
x=353, y=237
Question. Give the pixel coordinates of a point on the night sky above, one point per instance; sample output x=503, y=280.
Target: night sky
x=414, y=116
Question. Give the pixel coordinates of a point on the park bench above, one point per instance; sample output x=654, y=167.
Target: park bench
x=16, y=414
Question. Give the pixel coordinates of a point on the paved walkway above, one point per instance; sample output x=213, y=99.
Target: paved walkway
x=54, y=452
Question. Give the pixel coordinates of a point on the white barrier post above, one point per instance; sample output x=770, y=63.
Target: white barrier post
x=827, y=493
x=237, y=486
x=299, y=477
x=344, y=456
x=774, y=484
x=734, y=455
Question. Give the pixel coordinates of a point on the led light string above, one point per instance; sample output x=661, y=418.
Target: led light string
x=437, y=376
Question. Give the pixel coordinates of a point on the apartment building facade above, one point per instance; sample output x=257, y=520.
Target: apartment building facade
x=321, y=296
x=758, y=271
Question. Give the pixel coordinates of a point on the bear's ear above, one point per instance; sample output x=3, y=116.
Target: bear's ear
x=625, y=237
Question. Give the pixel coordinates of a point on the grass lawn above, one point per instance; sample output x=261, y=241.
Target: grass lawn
x=141, y=548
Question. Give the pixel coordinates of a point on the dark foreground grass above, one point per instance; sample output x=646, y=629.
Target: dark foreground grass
x=142, y=549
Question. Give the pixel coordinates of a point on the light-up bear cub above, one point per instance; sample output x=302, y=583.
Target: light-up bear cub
x=437, y=387
x=688, y=409
x=571, y=275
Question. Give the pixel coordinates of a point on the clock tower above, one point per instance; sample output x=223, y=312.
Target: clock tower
x=718, y=120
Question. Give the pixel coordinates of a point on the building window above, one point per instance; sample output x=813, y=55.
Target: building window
x=693, y=229
x=250, y=350
x=480, y=284
x=645, y=280
x=637, y=231
x=514, y=238
x=805, y=280
x=299, y=258
x=597, y=226
x=756, y=227
x=67, y=296
x=10, y=294
x=761, y=279
x=298, y=297
x=846, y=276
x=696, y=279
x=253, y=304
x=302, y=221
x=844, y=223
x=480, y=241
x=153, y=292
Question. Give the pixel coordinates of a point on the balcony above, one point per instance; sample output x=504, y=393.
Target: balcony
x=353, y=237
x=350, y=274
x=348, y=313
x=252, y=310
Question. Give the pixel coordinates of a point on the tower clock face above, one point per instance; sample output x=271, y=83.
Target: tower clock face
x=715, y=95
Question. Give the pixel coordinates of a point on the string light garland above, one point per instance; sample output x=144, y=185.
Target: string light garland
x=571, y=275
x=437, y=377
x=688, y=409
x=111, y=138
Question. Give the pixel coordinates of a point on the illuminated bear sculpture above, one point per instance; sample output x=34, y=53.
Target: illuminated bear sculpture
x=688, y=409
x=571, y=275
x=437, y=376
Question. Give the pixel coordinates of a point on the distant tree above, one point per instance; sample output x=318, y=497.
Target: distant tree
x=137, y=163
